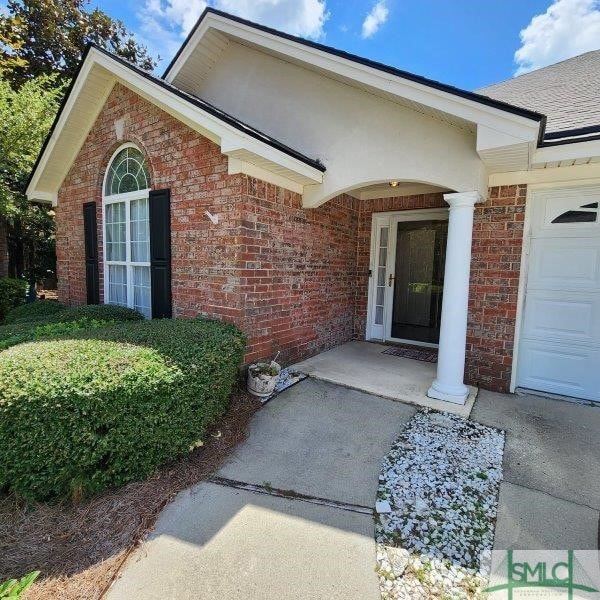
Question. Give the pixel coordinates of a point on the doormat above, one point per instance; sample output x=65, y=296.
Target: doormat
x=416, y=353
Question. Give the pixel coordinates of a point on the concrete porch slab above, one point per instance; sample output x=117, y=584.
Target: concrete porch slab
x=363, y=366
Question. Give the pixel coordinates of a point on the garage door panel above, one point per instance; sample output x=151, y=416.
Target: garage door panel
x=554, y=368
x=565, y=264
x=559, y=348
x=562, y=317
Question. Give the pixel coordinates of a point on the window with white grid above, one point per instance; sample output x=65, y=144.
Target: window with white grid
x=127, y=232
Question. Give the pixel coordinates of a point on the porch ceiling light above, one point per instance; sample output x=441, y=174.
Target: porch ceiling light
x=394, y=183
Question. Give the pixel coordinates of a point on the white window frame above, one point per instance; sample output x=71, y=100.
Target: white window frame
x=127, y=198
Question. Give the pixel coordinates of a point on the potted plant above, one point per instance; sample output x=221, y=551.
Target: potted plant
x=263, y=377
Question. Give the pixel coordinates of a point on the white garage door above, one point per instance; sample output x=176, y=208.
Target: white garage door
x=560, y=334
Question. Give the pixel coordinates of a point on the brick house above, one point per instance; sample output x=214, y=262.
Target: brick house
x=314, y=197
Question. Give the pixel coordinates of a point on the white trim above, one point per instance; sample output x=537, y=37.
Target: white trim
x=404, y=189
x=234, y=142
x=571, y=151
x=236, y=165
x=570, y=175
x=521, y=290
x=518, y=126
x=427, y=214
x=126, y=198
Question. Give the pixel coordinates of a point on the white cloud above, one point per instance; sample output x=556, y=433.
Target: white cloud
x=375, y=19
x=165, y=23
x=305, y=18
x=566, y=29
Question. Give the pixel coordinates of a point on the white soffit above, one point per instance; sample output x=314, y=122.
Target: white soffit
x=505, y=140
x=97, y=77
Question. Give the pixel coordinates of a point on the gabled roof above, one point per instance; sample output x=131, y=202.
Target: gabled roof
x=568, y=92
x=98, y=71
x=478, y=98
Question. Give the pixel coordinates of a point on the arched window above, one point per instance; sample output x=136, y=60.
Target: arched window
x=127, y=231
x=128, y=172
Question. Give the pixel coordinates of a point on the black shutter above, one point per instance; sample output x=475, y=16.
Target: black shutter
x=160, y=253
x=90, y=237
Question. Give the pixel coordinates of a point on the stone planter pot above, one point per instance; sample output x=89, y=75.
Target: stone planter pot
x=262, y=378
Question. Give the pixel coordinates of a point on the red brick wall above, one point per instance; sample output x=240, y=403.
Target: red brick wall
x=296, y=280
x=297, y=272
x=283, y=273
x=204, y=257
x=495, y=268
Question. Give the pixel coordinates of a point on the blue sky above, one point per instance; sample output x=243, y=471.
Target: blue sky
x=467, y=43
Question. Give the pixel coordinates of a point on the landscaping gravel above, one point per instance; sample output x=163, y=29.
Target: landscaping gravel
x=436, y=508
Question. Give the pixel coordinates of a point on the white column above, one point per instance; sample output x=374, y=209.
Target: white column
x=449, y=382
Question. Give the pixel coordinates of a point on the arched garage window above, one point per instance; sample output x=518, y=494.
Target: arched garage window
x=127, y=231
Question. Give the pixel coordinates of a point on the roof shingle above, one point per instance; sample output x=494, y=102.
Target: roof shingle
x=568, y=92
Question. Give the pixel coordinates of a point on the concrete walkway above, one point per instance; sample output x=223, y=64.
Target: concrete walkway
x=363, y=366
x=216, y=541
x=550, y=496
x=240, y=535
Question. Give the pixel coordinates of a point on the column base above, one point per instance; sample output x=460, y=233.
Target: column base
x=454, y=394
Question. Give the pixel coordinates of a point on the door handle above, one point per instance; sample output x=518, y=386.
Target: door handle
x=390, y=280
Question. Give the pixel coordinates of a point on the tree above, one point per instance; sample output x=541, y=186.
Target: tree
x=47, y=37
x=25, y=119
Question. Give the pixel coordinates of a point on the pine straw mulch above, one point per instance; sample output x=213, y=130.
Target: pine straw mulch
x=79, y=548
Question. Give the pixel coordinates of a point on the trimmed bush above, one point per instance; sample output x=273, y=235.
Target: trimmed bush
x=11, y=335
x=33, y=311
x=100, y=312
x=66, y=320
x=12, y=293
x=108, y=406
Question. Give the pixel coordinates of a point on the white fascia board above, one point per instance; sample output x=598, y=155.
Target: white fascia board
x=236, y=165
x=495, y=118
x=489, y=138
x=230, y=147
x=550, y=176
x=571, y=151
x=193, y=116
x=44, y=197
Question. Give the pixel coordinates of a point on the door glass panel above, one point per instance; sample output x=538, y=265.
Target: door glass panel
x=381, y=271
x=419, y=280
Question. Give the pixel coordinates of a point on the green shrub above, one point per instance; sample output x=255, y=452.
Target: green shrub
x=65, y=320
x=15, y=588
x=33, y=311
x=110, y=405
x=100, y=312
x=11, y=335
x=12, y=293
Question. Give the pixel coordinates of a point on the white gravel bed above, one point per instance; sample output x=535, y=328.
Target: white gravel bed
x=436, y=508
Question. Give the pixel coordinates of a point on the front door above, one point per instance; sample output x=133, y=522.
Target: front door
x=407, y=276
